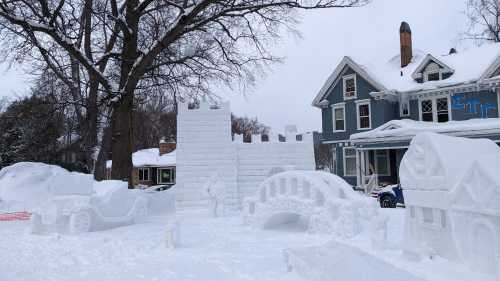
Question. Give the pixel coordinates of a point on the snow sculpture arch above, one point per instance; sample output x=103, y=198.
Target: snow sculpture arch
x=324, y=201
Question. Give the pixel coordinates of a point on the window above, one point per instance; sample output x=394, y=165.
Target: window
x=144, y=174
x=349, y=86
x=349, y=162
x=338, y=117
x=382, y=162
x=363, y=110
x=432, y=72
x=442, y=110
x=427, y=114
x=166, y=176
x=435, y=110
x=404, y=108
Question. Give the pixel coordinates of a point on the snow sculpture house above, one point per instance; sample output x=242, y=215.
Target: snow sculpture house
x=205, y=147
x=450, y=184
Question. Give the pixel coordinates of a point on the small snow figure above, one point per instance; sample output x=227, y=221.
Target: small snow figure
x=216, y=192
x=172, y=235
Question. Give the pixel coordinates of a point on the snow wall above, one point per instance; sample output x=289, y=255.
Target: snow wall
x=205, y=147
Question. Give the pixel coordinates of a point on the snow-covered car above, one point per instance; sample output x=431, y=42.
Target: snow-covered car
x=110, y=204
x=390, y=196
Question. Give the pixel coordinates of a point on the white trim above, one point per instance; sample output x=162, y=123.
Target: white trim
x=358, y=118
x=434, y=99
x=334, y=77
x=344, y=161
x=344, y=79
x=158, y=175
x=388, y=155
x=337, y=106
x=139, y=174
x=491, y=69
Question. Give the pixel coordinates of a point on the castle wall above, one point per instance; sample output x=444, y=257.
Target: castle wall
x=205, y=148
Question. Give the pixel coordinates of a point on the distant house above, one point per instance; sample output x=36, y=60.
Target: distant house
x=153, y=166
x=372, y=110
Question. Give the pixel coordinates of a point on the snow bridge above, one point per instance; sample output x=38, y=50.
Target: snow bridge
x=308, y=200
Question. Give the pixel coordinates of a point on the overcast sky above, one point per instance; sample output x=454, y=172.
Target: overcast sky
x=285, y=95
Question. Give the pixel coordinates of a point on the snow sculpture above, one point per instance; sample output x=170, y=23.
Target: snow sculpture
x=111, y=204
x=217, y=193
x=452, y=187
x=172, y=235
x=324, y=201
x=205, y=147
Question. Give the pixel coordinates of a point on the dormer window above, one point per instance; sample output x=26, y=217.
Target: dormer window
x=432, y=72
x=349, y=86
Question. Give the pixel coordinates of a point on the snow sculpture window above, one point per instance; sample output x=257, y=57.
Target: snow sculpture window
x=166, y=176
x=443, y=219
x=382, y=162
x=349, y=162
x=144, y=174
x=338, y=117
x=349, y=86
x=427, y=215
x=363, y=111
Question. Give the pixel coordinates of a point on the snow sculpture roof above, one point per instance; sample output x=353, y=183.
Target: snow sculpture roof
x=436, y=162
x=479, y=188
x=406, y=129
x=150, y=158
x=468, y=66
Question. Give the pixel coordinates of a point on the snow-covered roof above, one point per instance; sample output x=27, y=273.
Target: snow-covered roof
x=406, y=129
x=150, y=157
x=468, y=66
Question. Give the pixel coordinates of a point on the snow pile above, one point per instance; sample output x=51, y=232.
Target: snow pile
x=322, y=202
x=406, y=128
x=150, y=157
x=28, y=184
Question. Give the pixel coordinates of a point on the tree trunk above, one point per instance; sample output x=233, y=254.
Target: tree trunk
x=122, y=139
x=92, y=120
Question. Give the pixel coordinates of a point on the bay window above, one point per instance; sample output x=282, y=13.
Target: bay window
x=435, y=109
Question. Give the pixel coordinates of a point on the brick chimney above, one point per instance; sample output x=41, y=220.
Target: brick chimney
x=406, y=45
x=166, y=147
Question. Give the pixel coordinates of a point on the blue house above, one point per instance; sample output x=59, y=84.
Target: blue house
x=372, y=110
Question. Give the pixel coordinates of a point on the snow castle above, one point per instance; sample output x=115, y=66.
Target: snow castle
x=205, y=147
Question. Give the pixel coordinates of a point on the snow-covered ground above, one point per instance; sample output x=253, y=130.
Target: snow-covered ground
x=211, y=249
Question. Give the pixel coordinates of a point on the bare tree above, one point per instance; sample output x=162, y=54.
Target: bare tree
x=128, y=45
x=483, y=20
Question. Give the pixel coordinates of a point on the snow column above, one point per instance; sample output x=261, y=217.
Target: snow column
x=204, y=149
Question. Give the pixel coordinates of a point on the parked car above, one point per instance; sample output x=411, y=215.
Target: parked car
x=390, y=196
x=110, y=204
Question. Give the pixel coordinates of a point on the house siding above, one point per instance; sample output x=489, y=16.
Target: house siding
x=381, y=110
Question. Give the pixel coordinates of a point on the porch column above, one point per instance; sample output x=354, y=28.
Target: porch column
x=358, y=168
x=363, y=168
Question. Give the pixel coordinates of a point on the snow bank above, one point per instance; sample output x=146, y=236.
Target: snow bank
x=344, y=262
x=28, y=184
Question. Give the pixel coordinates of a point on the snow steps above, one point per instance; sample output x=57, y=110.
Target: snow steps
x=16, y=216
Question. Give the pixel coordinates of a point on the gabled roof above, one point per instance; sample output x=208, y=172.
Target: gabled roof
x=430, y=58
x=469, y=66
x=335, y=76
